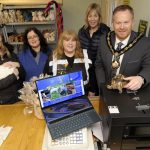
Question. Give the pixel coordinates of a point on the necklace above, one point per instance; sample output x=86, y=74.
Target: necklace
x=116, y=54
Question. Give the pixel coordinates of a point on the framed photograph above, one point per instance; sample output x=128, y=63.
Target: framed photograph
x=126, y=2
x=149, y=33
x=143, y=26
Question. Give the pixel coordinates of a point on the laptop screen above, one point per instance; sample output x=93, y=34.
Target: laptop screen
x=66, y=108
x=60, y=88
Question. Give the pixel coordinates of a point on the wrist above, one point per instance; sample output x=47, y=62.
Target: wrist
x=142, y=79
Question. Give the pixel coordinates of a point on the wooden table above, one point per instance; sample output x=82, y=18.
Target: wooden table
x=95, y=100
x=27, y=132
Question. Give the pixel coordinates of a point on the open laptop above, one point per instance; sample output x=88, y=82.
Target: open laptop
x=64, y=105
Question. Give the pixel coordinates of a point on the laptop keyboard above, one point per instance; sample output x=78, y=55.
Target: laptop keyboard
x=66, y=126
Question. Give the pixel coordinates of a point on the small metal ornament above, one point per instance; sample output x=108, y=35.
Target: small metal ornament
x=115, y=64
x=116, y=54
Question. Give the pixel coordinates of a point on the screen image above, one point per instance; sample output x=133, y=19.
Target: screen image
x=57, y=89
x=65, y=108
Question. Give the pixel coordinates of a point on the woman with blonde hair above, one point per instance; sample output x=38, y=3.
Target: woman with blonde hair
x=89, y=36
x=69, y=57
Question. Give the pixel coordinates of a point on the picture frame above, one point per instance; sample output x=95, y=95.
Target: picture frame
x=149, y=33
x=126, y=2
x=143, y=26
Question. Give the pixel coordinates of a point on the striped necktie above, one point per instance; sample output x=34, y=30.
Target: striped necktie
x=119, y=46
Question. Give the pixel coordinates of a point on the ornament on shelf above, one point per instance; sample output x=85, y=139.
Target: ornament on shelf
x=49, y=35
x=19, y=16
x=34, y=16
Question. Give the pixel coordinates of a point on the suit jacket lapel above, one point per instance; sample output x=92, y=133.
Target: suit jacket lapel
x=113, y=38
x=127, y=54
x=110, y=54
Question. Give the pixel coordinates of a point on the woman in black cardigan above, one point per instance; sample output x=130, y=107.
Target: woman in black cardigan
x=89, y=36
x=11, y=74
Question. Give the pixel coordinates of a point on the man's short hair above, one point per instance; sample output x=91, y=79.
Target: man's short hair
x=123, y=8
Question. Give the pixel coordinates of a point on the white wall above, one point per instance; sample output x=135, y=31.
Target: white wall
x=74, y=13
x=142, y=12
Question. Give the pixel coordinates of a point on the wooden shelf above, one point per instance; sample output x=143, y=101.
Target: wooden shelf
x=30, y=23
x=23, y=6
x=21, y=43
x=16, y=43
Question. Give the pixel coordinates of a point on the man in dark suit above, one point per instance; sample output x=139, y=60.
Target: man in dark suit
x=132, y=61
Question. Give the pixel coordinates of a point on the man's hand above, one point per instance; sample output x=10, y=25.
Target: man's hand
x=135, y=82
x=91, y=94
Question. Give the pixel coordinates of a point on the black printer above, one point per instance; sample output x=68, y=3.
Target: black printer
x=127, y=127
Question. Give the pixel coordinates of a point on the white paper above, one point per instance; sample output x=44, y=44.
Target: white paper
x=4, y=131
x=97, y=129
x=113, y=109
x=5, y=71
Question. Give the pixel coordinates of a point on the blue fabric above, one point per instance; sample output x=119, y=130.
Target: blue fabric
x=30, y=66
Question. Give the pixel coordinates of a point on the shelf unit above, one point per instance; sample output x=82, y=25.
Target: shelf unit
x=13, y=29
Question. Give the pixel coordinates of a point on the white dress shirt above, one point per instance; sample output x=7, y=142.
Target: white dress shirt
x=124, y=42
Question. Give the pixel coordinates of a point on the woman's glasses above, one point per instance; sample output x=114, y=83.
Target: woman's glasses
x=32, y=37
